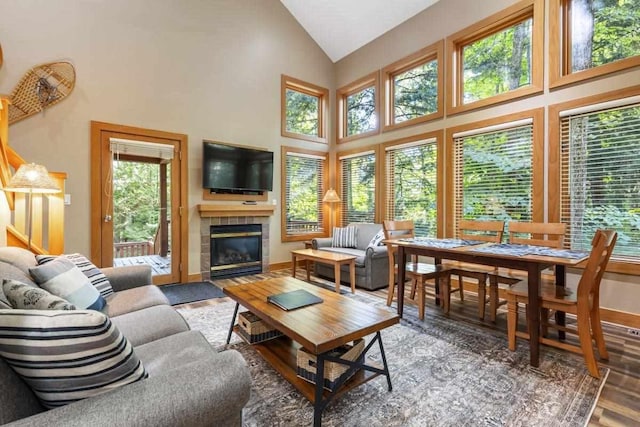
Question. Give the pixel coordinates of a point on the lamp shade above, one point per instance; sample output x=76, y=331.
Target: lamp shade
x=32, y=178
x=331, y=196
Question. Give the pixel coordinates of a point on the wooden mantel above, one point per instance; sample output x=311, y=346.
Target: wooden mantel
x=208, y=211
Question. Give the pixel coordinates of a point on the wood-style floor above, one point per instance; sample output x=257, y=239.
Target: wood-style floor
x=619, y=402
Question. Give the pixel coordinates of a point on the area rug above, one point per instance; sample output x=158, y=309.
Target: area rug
x=190, y=292
x=444, y=372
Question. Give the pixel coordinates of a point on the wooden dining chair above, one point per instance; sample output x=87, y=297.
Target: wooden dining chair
x=548, y=234
x=418, y=272
x=485, y=231
x=584, y=303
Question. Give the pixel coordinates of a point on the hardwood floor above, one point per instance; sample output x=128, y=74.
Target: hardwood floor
x=619, y=402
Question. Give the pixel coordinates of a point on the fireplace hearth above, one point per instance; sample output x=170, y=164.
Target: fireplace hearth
x=236, y=250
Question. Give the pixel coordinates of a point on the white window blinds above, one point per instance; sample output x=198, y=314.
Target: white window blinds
x=358, y=188
x=600, y=177
x=303, y=193
x=411, y=187
x=493, y=174
x=141, y=148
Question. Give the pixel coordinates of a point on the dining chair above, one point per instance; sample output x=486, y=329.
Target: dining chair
x=584, y=303
x=418, y=272
x=548, y=234
x=485, y=231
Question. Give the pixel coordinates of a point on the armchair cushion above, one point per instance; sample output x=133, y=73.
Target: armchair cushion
x=24, y=296
x=97, y=278
x=61, y=277
x=65, y=356
x=135, y=299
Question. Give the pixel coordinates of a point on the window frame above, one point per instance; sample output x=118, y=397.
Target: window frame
x=560, y=48
x=555, y=164
x=537, y=163
x=375, y=149
x=508, y=17
x=343, y=93
x=306, y=88
x=434, y=52
x=438, y=135
x=285, y=237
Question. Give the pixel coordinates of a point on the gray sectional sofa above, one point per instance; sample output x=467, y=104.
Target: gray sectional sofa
x=372, y=262
x=189, y=383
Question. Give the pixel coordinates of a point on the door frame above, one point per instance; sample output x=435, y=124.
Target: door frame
x=101, y=164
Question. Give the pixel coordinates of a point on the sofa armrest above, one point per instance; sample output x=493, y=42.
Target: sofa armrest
x=376, y=251
x=212, y=390
x=321, y=242
x=130, y=276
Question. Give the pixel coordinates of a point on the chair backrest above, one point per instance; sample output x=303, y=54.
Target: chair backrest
x=549, y=234
x=601, y=248
x=486, y=231
x=397, y=230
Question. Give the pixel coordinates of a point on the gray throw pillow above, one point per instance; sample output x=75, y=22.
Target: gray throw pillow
x=24, y=296
x=93, y=273
x=346, y=237
x=65, y=356
x=62, y=278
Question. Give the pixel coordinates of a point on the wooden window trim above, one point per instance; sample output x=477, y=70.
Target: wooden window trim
x=339, y=180
x=537, y=196
x=323, y=109
x=427, y=54
x=488, y=26
x=283, y=197
x=559, y=48
x=438, y=135
x=555, y=170
x=369, y=80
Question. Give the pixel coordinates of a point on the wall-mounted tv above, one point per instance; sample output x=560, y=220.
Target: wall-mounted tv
x=233, y=169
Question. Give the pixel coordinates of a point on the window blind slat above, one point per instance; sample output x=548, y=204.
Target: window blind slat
x=303, y=193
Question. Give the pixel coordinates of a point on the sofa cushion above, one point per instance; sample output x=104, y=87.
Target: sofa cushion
x=345, y=237
x=359, y=254
x=31, y=297
x=10, y=271
x=135, y=325
x=65, y=356
x=135, y=299
x=62, y=278
x=93, y=273
x=366, y=231
x=18, y=257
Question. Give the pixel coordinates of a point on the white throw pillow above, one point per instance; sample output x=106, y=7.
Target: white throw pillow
x=377, y=239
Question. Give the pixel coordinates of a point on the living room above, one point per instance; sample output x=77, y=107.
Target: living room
x=213, y=71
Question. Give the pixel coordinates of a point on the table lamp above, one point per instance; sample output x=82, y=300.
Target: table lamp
x=33, y=179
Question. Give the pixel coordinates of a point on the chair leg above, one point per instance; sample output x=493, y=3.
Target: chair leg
x=421, y=297
x=493, y=298
x=445, y=292
x=596, y=329
x=414, y=285
x=392, y=285
x=482, y=297
x=460, y=288
x=544, y=322
x=512, y=320
x=584, y=333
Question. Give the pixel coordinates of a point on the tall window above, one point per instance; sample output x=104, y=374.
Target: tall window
x=358, y=108
x=412, y=184
x=303, y=188
x=413, y=88
x=600, y=175
x=592, y=37
x=498, y=58
x=493, y=170
x=304, y=110
x=358, y=177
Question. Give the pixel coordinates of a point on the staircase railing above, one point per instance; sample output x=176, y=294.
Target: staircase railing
x=47, y=214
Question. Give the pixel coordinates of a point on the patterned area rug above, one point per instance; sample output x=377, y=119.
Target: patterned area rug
x=444, y=372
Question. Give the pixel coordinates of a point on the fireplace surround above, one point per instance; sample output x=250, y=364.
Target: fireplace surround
x=236, y=250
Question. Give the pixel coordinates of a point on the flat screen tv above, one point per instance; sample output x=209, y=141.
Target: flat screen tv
x=233, y=169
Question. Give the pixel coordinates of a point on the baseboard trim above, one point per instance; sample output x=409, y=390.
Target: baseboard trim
x=194, y=277
x=279, y=266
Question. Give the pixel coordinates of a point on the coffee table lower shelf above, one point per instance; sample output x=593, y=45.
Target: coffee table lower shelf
x=282, y=352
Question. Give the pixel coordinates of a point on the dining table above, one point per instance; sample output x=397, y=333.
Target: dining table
x=530, y=259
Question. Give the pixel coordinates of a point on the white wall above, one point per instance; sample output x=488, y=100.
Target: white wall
x=619, y=292
x=206, y=68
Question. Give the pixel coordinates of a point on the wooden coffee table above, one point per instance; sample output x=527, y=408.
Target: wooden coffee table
x=318, y=328
x=326, y=257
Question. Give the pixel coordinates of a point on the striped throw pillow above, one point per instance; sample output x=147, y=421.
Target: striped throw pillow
x=65, y=356
x=62, y=278
x=97, y=277
x=345, y=237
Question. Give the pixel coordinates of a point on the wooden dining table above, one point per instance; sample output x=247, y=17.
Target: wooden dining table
x=532, y=260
